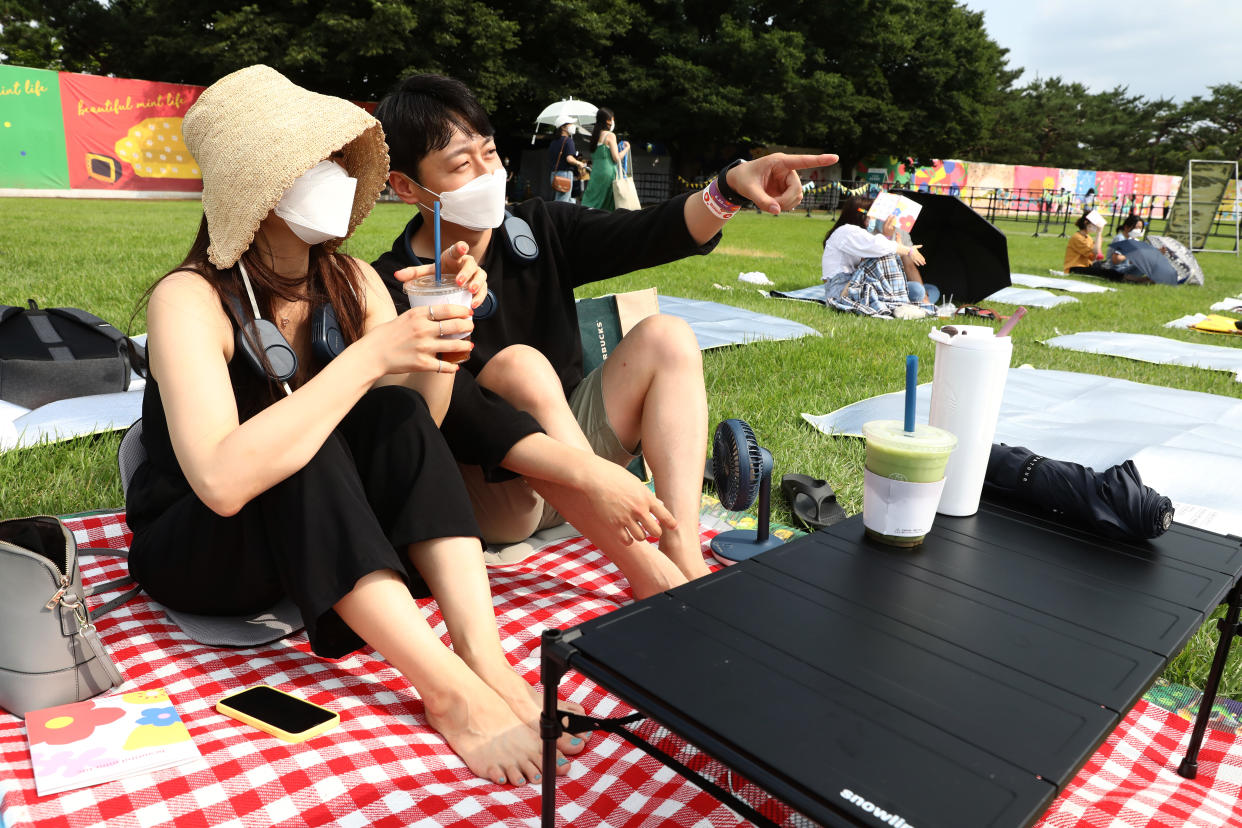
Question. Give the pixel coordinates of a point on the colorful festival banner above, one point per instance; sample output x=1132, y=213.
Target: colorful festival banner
x=1068, y=181
x=32, y=140
x=941, y=177
x=993, y=176
x=125, y=134
x=1125, y=183
x=1036, y=178
x=1086, y=182
x=1105, y=185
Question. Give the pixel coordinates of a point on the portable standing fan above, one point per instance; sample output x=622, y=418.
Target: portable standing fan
x=742, y=469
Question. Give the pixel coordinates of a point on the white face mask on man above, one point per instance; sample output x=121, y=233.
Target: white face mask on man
x=318, y=204
x=478, y=204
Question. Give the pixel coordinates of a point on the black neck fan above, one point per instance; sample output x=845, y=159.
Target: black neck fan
x=742, y=469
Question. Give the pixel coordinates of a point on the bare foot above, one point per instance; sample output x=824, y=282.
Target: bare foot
x=685, y=549
x=527, y=703
x=493, y=742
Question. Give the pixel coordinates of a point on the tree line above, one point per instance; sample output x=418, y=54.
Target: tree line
x=705, y=78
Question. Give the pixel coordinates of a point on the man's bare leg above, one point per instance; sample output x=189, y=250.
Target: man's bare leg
x=524, y=377
x=653, y=391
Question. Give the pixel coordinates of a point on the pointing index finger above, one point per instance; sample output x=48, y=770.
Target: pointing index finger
x=806, y=162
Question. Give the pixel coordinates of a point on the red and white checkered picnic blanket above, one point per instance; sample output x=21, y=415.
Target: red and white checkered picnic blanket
x=384, y=766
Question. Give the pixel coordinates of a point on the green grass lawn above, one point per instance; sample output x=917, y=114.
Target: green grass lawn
x=102, y=255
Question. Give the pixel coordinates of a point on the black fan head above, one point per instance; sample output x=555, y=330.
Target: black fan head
x=737, y=464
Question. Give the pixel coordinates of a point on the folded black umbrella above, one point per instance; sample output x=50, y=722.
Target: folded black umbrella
x=1113, y=503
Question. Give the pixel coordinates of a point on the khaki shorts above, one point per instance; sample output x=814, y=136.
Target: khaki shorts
x=512, y=511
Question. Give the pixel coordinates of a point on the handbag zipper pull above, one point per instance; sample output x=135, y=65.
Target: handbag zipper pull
x=60, y=593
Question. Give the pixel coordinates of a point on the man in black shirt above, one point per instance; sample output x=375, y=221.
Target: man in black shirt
x=522, y=407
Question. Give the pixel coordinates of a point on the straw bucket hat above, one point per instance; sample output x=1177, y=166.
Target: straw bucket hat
x=254, y=132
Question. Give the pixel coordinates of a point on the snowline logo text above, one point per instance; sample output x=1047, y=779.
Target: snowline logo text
x=895, y=820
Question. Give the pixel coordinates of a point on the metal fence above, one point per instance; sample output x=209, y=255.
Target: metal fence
x=1047, y=213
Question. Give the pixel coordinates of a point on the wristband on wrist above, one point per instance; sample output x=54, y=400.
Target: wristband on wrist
x=731, y=195
x=716, y=204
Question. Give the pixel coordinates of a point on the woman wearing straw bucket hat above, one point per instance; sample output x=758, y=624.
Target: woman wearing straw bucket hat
x=288, y=461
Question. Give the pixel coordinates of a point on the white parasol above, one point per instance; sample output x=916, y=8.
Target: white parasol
x=582, y=112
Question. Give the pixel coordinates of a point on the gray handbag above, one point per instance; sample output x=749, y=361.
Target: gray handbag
x=50, y=653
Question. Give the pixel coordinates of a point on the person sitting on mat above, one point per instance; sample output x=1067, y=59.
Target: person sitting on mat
x=538, y=443
x=1082, y=252
x=1130, y=230
x=1083, y=256
x=323, y=478
x=871, y=273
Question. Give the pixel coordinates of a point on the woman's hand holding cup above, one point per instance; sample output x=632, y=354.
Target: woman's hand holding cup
x=440, y=314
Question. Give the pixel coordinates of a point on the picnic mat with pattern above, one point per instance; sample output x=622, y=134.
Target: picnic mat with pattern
x=382, y=766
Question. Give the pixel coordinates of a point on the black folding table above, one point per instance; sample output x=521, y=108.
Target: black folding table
x=963, y=682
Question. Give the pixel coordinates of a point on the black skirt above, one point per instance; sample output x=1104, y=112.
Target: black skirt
x=384, y=479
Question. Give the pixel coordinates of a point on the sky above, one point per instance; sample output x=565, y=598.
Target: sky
x=1174, y=49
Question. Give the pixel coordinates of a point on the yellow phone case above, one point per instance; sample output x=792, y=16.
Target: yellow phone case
x=267, y=727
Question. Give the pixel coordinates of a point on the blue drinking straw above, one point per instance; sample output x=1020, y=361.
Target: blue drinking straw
x=437, y=240
x=912, y=381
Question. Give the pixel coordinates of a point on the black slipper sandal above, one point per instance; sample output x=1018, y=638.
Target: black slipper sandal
x=812, y=501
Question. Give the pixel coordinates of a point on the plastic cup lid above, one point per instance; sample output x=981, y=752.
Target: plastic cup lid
x=975, y=337
x=925, y=438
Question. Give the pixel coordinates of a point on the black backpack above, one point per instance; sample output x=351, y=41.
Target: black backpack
x=55, y=353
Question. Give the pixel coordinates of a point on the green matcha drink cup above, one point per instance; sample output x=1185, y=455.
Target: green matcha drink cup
x=903, y=480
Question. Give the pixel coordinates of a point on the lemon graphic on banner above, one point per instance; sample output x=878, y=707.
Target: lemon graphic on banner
x=155, y=149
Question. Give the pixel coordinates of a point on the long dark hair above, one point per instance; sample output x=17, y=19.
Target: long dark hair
x=853, y=211
x=602, y=116
x=1133, y=220
x=331, y=278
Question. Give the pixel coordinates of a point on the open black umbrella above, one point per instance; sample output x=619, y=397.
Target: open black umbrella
x=1148, y=260
x=967, y=256
x=1113, y=503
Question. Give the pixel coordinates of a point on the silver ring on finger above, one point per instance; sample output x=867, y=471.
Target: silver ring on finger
x=439, y=365
x=431, y=313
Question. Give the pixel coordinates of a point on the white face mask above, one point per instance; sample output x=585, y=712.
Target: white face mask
x=476, y=205
x=1136, y=234
x=318, y=204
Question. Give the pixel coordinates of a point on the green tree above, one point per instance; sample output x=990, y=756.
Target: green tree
x=50, y=34
x=1214, y=128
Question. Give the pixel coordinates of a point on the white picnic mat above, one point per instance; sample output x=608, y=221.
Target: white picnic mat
x=1158, y=349
x=1186, y=444
x=1070, y=285
x=716, y=325
x=1029, y=297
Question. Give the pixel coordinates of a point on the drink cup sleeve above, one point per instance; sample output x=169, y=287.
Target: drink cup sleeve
x=899, y=508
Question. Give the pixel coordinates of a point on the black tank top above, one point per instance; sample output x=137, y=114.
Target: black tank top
x=159, y=482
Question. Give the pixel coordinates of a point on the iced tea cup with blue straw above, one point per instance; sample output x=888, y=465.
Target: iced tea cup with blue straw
x=427, y=290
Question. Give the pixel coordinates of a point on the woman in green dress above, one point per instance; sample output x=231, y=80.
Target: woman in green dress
x=605, y=158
